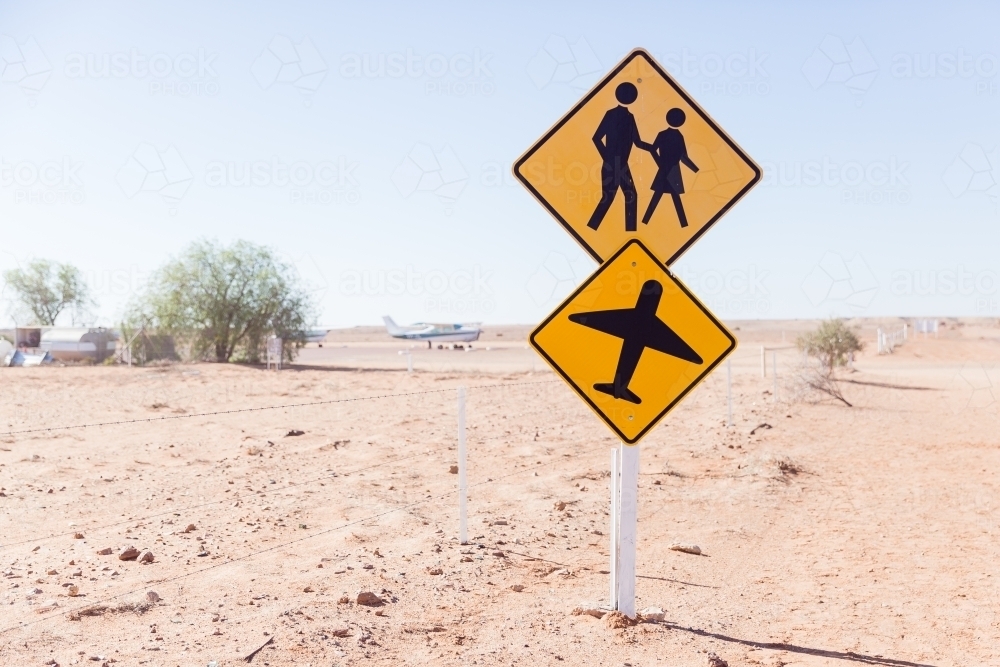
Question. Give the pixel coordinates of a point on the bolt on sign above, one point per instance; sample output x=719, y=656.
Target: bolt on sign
x=632, y=341
x=637, y=158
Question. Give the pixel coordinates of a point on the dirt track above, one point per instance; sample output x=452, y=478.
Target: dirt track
x=837, y=536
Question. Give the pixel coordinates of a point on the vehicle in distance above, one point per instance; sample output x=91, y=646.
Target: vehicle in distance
x=452, y=333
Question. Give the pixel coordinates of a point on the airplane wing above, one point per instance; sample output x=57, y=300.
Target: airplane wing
x=614, y=322
x=662, y=338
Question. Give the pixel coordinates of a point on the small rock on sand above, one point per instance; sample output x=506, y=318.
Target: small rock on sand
x=77, y=536
x=652, y=615
x=716, y=661
x=190, y=528
x=686, y=548
x=152, y=596
x=72, y=590
x=130, y=553
x=517, y=588
x=435, y=571
x=369, y=599
x=147, y=557
x=453, y=470
x=107, y=551
x=587, y=610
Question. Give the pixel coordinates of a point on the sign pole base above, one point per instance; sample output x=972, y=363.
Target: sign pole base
x=627, y=529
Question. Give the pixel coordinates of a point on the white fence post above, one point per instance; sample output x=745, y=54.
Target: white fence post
x=763, y=362
x=729, y=391
x=628, y=529
x=615, y=477
x=463, y=535
x=409, y=360
x=774, y=368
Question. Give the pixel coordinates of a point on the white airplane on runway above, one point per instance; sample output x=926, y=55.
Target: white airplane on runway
x=316, y=336
x=453, y=333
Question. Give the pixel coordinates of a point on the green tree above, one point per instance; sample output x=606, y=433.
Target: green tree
x=225, y=301
x=45, y=289
x=832, y=343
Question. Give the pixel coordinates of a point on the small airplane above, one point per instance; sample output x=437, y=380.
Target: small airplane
x=456, y=333
x=316, y=335
x=639, y=328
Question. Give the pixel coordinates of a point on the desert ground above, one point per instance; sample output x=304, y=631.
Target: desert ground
x=831, y=535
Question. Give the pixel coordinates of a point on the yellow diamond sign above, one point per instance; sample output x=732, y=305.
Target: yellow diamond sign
x=637, y=158
x=632, y=341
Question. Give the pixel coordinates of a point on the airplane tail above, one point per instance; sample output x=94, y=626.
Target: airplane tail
x=391, y=326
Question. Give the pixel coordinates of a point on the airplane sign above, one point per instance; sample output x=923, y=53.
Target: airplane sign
x=632, y=341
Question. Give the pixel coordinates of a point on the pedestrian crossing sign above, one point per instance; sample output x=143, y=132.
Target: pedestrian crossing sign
x=637, y=158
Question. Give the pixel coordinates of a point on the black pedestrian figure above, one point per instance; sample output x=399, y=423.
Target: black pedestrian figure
x=614, y=139
x=669, y=151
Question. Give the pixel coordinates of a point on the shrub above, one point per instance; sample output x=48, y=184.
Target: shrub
x=832, y=343
x=223, y=302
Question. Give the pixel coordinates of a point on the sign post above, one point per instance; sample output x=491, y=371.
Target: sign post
x=629, y=526
x=632, y=341
x=274, y=352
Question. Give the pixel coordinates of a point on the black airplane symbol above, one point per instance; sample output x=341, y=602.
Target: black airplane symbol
x=639, y=328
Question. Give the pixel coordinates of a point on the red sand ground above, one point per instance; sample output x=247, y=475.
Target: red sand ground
x=838, y=536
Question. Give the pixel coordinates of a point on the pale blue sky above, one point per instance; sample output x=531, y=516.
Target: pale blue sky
x=900, y=100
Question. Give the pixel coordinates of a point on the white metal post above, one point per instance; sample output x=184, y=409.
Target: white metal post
x=463, y=535
x=763, y=362
x=615, y=476
x=774, y=368
x=628, y=529
x=729, y=391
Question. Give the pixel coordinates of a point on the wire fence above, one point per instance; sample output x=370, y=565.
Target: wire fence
x=162, y=418
x=327, y=475
x=252, y=554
